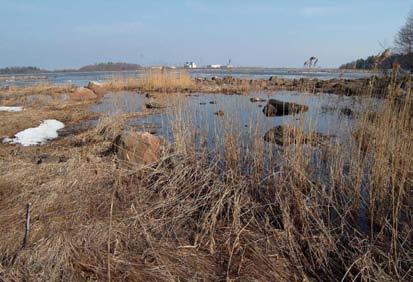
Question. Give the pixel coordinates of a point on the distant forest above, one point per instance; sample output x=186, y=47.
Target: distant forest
x=90, y=68
x=111, y=67
x=402, y=52
x=405, y=61
x=21, y=70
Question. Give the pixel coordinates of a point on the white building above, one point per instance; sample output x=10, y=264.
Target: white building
x=214, y=66
x=190, y=65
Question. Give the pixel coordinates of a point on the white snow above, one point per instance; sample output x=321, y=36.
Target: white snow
x=10, y=109
x=47, y=130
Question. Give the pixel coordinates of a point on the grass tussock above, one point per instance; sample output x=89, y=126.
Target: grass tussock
x=198, y=214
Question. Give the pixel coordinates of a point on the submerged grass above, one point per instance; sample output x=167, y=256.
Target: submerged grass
x=197, y=214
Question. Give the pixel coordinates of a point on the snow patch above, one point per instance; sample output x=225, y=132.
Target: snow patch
x=10, y=109
x=47, y=130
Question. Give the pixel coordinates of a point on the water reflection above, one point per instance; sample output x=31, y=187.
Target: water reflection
x=239, y=116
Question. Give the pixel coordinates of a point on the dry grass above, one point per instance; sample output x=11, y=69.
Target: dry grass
x=166, y=80
x=43, y=88
x=154, y=80
x=197, y=215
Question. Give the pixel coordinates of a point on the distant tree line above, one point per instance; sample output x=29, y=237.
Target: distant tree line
x=402, y=51
x=110, y=66
x=21, y=70
x=405, y=61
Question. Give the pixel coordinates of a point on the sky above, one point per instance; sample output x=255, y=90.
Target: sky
x=56, y=34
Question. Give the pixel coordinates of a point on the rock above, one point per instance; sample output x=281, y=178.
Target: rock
x=48, y=159
x=154, y=105
x=212, y=102
x=275, y=135
x=202, y=103
x=404, y=85
x=83, y=94
x=97, y=87
x=347, y=112
x=273, y=78
x=257, y=99
x=219, y=113
x=140, y=148
x=284, y=136
x=280, y=108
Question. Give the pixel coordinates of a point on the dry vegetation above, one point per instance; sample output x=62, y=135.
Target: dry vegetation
x=44, y=88
x=197, y=215
x=154, y=80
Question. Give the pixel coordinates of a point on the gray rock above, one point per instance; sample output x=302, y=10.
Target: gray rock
x=153, y=105
x=280, y=108
x=257, y=99
x=294, y=136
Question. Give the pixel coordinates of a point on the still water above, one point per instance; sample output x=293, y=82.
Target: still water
x=241, y=117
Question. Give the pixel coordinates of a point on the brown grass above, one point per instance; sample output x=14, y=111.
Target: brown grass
x=44, y=88
x=196, y=214
x=154, y=80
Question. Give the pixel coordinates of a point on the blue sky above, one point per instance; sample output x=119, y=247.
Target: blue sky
x=65, y=34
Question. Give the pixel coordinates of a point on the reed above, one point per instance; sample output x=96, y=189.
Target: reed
x=165, y=80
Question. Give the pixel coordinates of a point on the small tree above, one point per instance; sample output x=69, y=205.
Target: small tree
x=404, y=38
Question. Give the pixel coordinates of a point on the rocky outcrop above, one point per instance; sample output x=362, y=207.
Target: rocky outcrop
x=280, y=108
x=83, y=94
x=348, y=87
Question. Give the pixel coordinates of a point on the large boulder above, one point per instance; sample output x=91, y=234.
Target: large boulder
x=83, y=94
x=280, y=108
x=139, y=148
x=97, y=87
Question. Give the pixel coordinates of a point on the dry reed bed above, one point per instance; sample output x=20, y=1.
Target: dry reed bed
x=153, y=80
x=196, y=215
